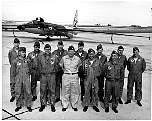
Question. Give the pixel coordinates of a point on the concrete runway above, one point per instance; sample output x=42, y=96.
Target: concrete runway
x=126, y=112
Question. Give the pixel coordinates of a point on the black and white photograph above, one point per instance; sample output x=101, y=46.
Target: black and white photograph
x=76, y=59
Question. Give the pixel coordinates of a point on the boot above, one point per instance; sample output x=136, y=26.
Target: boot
x=139, y=103
x=42, y=108
x=17, y=109
x=29, y=109
x=53, y=108
x=64, y=109
x=107, y=110
x=120, y=101
x=75, y=109
x=96, y=109
x=128, y=101
x=85, y=108
x=12, y=99
x=115, y=109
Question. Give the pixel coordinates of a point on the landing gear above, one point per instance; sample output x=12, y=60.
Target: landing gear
x=14, y=33
x=149, y=38
x=112, y=39
x=48, y=38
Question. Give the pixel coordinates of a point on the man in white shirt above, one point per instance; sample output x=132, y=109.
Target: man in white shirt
x=70, y=80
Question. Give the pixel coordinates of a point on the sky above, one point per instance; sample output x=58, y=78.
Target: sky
x=114, y=12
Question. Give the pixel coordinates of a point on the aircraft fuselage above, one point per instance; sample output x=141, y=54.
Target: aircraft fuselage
x=44, y=29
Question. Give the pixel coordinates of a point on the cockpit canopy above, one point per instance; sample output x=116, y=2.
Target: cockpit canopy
x=39, y=19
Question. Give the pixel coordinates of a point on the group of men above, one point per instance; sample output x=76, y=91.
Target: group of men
x=73, y=73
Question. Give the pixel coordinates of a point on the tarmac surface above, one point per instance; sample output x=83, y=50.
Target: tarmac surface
x=126, y=112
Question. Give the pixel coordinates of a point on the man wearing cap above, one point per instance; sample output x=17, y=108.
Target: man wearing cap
x=13, y=53
x=48, y=67
x=136, y=65
x=91, y=70
x=82, y=55
x=70, y=80
x=33, y=63
x=122, y=60
x=113, y=72
x=22, y=86
x=60, y=52
x=103, y=60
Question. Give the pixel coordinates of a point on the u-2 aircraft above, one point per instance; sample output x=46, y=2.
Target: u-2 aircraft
x=39, y=26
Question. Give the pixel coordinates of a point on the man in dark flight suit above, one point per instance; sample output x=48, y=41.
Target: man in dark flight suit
x=122, y=60
x=33, y=63
x=113, y=72
x=60, y=52
x=103, y=60
x=48, y=67
x=136, y=66
x=22, y=77
x=82, y=55
x=13, y=53
x=91, y=69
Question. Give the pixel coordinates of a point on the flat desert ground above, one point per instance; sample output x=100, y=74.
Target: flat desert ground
x=126, y=112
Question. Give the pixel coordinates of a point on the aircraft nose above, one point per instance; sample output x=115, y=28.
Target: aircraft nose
x=20, y=27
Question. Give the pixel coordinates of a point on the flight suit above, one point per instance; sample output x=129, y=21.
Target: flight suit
x=103, y=60
x=35, y=75
x=48, y=68
x=122, y=60
x=70, y=81
x=113, y=73
x=135, y=68
x=22, y=85
x=59, y=54
x=91, y=72
x=12, y=55
x=82, y=56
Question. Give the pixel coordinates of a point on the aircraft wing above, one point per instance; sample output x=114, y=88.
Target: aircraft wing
x=11, y=25
x=6, y=27
x=11, y=28
x=111, y=32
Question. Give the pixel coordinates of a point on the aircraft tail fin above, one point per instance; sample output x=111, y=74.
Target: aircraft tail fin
x=75, y=21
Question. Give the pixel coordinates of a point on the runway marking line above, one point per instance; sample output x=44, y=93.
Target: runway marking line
x=10, y=114
x=17, y=114
x=7, y=118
